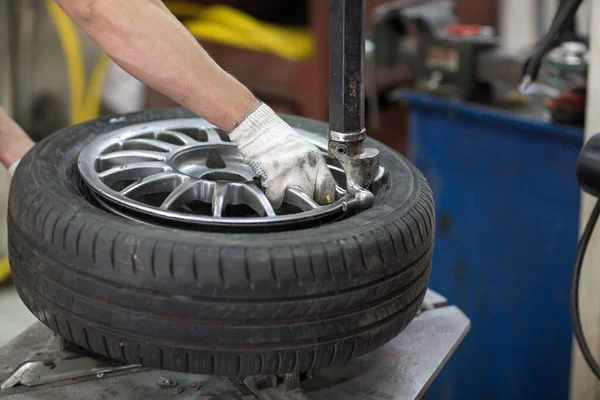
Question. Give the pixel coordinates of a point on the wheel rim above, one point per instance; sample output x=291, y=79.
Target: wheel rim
x=187, y=170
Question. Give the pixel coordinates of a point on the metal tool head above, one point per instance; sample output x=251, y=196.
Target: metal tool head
x=347, y=100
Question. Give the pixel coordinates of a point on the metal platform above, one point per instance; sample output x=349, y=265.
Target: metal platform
x=36, y=365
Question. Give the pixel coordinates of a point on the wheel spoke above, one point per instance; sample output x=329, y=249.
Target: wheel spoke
x=241, y=169
x=132, y=171
x=256, y=199
x=148, y=144
x=123, y=157
x=178, y=136
x=339, y=192
x=298, y=198
x=190, y=190
x=219, y=199
x=213, y=136
x=157, y=183
x=199, y=170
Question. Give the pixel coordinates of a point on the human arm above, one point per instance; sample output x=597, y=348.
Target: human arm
x=148, y=42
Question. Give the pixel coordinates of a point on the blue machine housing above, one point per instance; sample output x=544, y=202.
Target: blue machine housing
x=507, y=213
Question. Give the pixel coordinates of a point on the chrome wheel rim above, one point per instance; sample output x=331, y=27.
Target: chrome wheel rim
x=188, y=171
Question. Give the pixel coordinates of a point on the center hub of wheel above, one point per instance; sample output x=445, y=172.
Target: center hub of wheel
x=218, y=163
x=188, y=171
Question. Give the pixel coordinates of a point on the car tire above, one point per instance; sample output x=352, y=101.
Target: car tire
x=212, y=302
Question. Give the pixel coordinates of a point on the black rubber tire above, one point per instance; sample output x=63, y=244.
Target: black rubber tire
x=215, y=303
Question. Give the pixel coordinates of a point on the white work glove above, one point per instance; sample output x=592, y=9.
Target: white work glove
x=282, y=158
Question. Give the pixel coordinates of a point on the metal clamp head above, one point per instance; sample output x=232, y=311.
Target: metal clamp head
x=360, y=164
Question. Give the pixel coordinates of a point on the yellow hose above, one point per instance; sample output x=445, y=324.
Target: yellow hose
x=229, y=26
x=4, y=269
x=69, y=39
x=93, y=98
x=84, y=105
x=184, y=9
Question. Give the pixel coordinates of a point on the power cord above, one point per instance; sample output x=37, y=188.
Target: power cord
x=575, y=317
x=562, y=22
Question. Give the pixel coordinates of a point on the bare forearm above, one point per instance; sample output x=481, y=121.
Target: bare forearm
x=146, y=40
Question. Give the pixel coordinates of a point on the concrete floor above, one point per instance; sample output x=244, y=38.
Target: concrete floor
x=14, y=316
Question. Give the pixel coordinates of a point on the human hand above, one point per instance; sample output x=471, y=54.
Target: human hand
x=14, y=142
x=282, y=158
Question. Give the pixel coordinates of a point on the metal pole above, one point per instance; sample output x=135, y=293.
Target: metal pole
x=347, y=100
x=346, y=70
x=584, y=384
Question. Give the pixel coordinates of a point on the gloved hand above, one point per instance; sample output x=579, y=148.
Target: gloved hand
x=282, y=158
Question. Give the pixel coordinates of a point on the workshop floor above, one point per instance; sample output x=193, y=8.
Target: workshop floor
x=14, y=316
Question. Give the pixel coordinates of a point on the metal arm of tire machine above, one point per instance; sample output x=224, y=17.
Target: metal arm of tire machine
x=347, y=131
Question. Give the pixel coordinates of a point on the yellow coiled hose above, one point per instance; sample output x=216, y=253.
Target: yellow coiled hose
x=84, y=104
x=4, y=269
x=227, y=25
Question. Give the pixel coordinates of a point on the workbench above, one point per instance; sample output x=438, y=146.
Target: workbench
x=38, y=365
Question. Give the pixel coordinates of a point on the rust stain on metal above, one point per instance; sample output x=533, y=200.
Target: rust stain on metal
x=353, y=88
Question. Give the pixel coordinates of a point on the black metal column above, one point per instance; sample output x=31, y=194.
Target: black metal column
x=346, y=66
x=347, y=100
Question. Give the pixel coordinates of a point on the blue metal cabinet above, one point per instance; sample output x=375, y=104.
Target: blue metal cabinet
x=507, y=204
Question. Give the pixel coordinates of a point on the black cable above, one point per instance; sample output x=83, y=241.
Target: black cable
x=575, y=317
x=562, y=20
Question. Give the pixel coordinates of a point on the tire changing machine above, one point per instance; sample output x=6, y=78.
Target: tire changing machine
x=39, y=365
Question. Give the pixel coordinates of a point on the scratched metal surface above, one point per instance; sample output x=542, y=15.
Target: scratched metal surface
x=24, y=347
x=403, y=369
